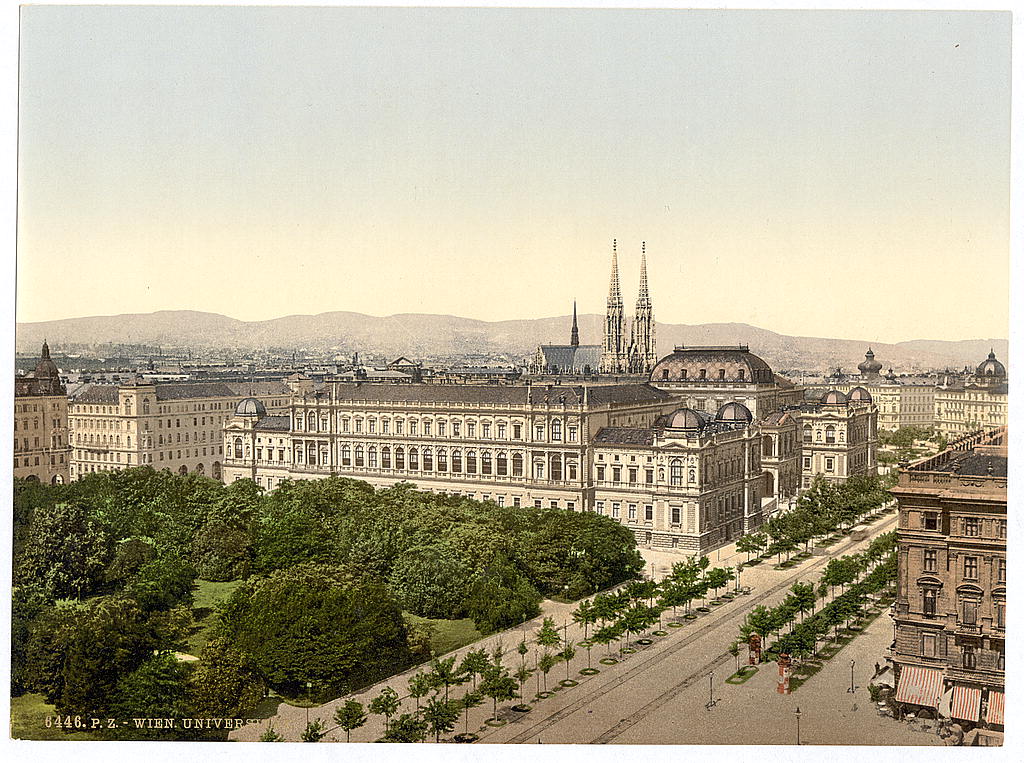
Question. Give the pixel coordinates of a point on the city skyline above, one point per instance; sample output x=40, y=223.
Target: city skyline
x=250, y=162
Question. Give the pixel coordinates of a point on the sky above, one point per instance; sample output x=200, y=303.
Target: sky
x=818, y=173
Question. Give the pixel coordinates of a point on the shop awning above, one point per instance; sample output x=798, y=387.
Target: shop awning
x=996, y=704
x=966, y=703
x=919, y=686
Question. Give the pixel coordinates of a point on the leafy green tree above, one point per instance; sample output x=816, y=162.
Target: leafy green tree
x=498, y=685
x=350, y=716
x=522, y=674
x=316, y=623
x=224, y=683
x=129, y=556
x=501, y=596
x=547, y=635
x=162, y=583
x=222, y=549
x=585, y=615
x=65, y=552
x=606, y=634
x=474, y=663
x=567, y=653
x=315, y=731
x=155, y=689
x=431, y=581
x=545, y=663
x=270, y=735
x=440, y=717
x=750, y=544
x=386, y=703
x=804, y=597
x=443, y=673
x=406, y=728
x=420, y=686
x=470, y=699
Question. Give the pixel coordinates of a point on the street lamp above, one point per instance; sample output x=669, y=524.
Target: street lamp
x=739, y=569
x=711, y=692
x=309, y=691
x=797, y=713
x=851, y=690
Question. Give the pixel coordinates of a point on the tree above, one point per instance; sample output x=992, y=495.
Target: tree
x=498, y=685
x=440, y=717
x=431, y=581
x=315, y=731
x=270, y=735
x=750, y=544
x=585, y=615
x=350, y=716
x=443, y=673
x=804, y=597
x=65, y=552
x=606, y=635
x=224, y=683
x=567, y=653
x=470, y=699
x=406, y=728
x=155, y=689
x=501, y=596
x=386, y=703
x=420, y=686
x=734, y=650
x=522, y=674
x=546, y=662
x=162, y=583
x=547, y=635
x=474, y=663
x=327, y=625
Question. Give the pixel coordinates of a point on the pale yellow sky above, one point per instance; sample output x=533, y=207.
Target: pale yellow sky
x=826, y=174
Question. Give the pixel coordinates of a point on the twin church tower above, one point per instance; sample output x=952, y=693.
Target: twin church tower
x=639, y=356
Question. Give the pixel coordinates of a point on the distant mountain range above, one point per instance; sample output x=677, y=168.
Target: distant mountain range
x=417, y=335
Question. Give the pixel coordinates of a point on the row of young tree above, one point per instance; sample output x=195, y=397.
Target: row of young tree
x=105, y=571
x=821, y=511
x=858, y=576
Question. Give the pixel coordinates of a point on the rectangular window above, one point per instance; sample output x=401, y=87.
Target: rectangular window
x=470, y=429
x=617, y=474
x=970, y=612
x=540, y=432
x=359, y=426
x=676, y=512
x=501, y=431
x=632, y=475
x=830, y=464
x=537, y=504
x=572, y=434
x=553, y=503
x=485, y=431
x=600, y=474
x=972, y=527
x=517, y=431
x=371, y=426
x=412, y=428
x=501, y=500
x=1000, y=614
x=930, y=520
x=456, y=429
x=516, y=502
x=1001, y=570
x=649, y=476
x=399, y=427
x=807, y=462
x=931, y=560
x=632, y=511
x=570, y=505
x=928, y=643
x=1001, y=529
x=385, y=426
x=599, y=507
x=426, y=429
x=930, y=595
x=649, y=513
x=970, y=568
x=616, y=510
x=441, y=428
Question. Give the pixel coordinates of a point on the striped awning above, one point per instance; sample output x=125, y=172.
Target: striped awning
x=996, y=704
x=919, y=686
x=966, y=703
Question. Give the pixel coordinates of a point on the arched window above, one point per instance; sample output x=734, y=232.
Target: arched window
x=442, y=460
x=556, y=430
x=721, y=373
x=414, y=457
x=324, y=424
x=456, y=461
x=399, y=458
x=371, y=456
x=311, y=421
x=676, y=472
x=767, y=446
x=238, y=447
x=298, y=453
x=346, y=455
x=502, y=465
x=128, y=407
x=830, y=434
x=359, y=455
x=485, y=462
x=517, y=464
x=385, y=457
x=571, y=470
x=807, y=432
x=538, y=469
x=692, y=476
x=556, y=466
x=471, y=462
x=145, y=405
x=428, y=460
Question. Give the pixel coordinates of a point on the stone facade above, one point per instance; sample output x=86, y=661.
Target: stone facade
x=950, y=611
x=41, y=444
x=839, y=436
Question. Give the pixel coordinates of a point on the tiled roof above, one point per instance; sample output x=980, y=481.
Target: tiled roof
x=976, y=464
x=194, y=390
x=624, y=436
x=566, y=357
x=518, y=394
x=258, y=389
x=274, y=423
x=97, y=393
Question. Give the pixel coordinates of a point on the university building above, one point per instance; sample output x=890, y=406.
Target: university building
x=839, y=436
x=950, y=610
x=979, y=402
x=41, y=446
x=175, y=426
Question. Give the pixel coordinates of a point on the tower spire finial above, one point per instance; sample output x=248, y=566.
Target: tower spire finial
x=574, y=338
x=614, y=295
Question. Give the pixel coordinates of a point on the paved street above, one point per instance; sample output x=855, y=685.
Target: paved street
x=658, y=694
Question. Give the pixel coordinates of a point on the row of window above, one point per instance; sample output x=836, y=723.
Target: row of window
x=415, y=427
x=34, y=460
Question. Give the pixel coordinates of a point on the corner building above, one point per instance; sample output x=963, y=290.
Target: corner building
x=41, y=441
x=950, y=611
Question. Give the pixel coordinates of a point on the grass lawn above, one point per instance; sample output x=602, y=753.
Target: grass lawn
x=28, y=721
x=446, y=635
x=207, y=596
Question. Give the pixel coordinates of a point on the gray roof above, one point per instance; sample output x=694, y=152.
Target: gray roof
x=274, y=423
x=624, y=436
x=569, y=358
x=97, y=393
x=977, y=464
x=510, y=394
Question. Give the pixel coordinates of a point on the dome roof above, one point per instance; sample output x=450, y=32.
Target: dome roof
x=734, y=412
x=686, y=418
x=709, y=365
x=834, y=397
x=250, y=406
x=991, y=367
x=46, y=368
x=859, y=395
x=870, y=366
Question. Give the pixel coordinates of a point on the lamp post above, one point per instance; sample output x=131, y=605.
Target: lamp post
x=852, y=689
x=309, y=689
x=711, y=692
x=739, y=569
x=797, y=714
